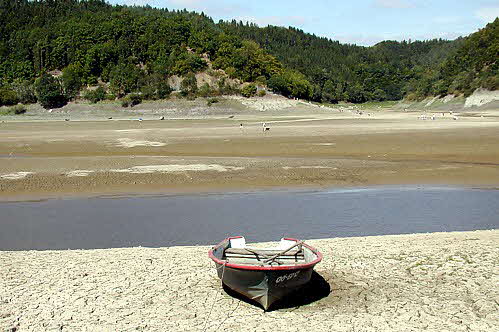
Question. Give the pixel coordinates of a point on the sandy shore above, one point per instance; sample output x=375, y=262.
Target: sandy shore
x=434, y=282
x=205, y=149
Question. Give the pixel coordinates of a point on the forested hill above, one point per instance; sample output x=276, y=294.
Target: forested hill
x=387, y=70
x=473, y=65
x=135, y=50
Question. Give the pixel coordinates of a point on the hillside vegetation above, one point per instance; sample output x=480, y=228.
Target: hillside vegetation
x=473, y=65
x=131, y=52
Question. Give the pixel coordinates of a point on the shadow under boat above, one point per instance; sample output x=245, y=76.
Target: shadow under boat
x=314, y=290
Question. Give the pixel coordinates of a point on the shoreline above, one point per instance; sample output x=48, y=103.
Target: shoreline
x=229, y=190
x=434, y=281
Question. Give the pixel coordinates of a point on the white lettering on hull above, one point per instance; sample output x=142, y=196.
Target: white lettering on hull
x=287, y=277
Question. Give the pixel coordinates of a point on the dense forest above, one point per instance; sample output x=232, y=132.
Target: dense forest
x=130, y=52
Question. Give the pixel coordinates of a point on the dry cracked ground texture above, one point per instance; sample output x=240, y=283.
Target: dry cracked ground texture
x=434, y=282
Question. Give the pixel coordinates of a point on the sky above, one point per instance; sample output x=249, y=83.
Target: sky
x=361, y=22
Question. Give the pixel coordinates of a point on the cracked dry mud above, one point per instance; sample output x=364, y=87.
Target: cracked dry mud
x=434, y=282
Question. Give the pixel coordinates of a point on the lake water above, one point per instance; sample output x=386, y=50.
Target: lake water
x=201, y=219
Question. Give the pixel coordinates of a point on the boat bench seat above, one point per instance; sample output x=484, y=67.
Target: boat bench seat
x=263, y=252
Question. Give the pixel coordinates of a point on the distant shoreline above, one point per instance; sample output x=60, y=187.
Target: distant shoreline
x=194, y=191
x=199, y=148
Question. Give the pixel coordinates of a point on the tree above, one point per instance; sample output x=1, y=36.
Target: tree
x=124, y=79
x=154, y=86
x=49, y=92
x=249, y=90
x=96, y=95
x=329, y=92
x=189, y=85
x=8, y=97
x=72, y=80
x=355, y=93
x=188, y=62
x=291, y=84
x=94, y=41
x=163, y=89
x=25, y=91
x=205, y=90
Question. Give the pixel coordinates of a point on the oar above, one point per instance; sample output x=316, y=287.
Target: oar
x=283, y=252
x=257, y=254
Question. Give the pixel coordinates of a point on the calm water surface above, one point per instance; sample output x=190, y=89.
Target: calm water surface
x=158, y=221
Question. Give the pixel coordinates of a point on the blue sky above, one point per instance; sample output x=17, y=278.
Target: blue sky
x=362, y=22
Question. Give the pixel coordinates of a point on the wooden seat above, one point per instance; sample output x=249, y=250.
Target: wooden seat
x=262, y=252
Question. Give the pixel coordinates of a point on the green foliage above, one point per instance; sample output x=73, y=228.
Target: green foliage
x=385, y=71
x=8, y=97
x=131, y=100
x=125, y=102
x=135, y=99
x=72, y=80
x=330, y=94
x=17, y=109
x=205, y=91
x=124, y=78
x=472, y=66
x=154, y=86
x=49, y=92
x=355, y=93
x=148, y=92
x=189, y=85
x=187, y=62
x=249, y=90
x=93, y=41
x=226, y=88
x=25, y=91
x=262, y=93
x=291, y=83
x=261, y=80
x=94, y=96
x=246, y=62
x=491, y=83
x=163, y=90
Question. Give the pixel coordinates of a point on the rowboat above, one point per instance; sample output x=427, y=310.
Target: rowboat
x=264, y=275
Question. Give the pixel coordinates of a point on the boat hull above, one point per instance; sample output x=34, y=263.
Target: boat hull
x=264, y=286
x=263, y=283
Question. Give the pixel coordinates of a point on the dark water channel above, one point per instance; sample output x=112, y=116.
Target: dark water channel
x=157, y=221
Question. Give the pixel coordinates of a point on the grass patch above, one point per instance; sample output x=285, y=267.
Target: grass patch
x=14, y=110
x=378, y=104
x=363, y=106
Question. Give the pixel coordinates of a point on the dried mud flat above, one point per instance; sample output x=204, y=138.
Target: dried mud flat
x=434, y=282
x=42, y=155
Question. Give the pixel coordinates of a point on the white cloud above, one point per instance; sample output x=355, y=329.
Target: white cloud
x=397, y=4
x=487, y=14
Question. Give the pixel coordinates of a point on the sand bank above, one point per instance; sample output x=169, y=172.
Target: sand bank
x=304, y=147
x=435, y=282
